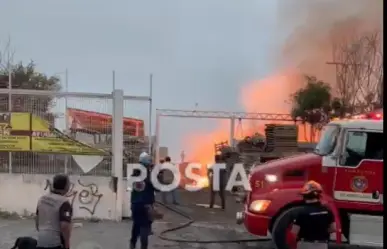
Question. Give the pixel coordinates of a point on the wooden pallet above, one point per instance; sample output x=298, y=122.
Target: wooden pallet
x=277, y=141
x=281, y=127
x=283, y=141
x=282, y=149
x=282, y=144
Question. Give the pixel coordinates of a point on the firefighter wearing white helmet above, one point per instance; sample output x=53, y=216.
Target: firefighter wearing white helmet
x=142, y=201
x=313, y=225
x=145, y=159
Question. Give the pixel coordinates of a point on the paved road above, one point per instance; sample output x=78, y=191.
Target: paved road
x=111, y=235
x=211, y=224
x=194, y=203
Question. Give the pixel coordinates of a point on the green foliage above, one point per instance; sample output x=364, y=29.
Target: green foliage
x=312, y=101
x=338, y=108
x=27, y=77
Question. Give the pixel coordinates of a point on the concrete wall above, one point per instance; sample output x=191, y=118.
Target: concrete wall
x=90, y=196
x=126, y=211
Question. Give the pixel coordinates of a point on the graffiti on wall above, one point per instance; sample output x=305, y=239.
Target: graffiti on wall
x=86, y=196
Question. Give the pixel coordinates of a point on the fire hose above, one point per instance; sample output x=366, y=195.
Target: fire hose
x=190, y=221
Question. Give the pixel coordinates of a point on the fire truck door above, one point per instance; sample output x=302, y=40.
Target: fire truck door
x=359, y=171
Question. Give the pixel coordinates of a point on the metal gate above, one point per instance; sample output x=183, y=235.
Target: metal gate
x=90, y=118
x=49, y=132
x=232, y=116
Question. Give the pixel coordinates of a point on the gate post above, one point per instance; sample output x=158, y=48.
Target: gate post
x=157, y=138
x=117, y=149
x=232, y=133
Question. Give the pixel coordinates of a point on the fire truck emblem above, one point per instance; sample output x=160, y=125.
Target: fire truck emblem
x=359, y=183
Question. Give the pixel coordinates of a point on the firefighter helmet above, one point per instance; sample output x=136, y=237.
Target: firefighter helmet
x=311, y=187
x=145, y=159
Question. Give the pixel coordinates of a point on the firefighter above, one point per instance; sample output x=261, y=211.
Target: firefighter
x=222, y=184
x=142, y=201
x=313, y=225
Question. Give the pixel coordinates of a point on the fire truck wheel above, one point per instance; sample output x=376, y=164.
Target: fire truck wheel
x=282, y=226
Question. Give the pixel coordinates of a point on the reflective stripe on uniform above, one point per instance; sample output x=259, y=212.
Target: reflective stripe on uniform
x=311, y=245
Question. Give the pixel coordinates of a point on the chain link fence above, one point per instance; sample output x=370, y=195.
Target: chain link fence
x=134, y=145
x=86, y=119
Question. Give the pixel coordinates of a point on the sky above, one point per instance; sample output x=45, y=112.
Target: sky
x=200, y=52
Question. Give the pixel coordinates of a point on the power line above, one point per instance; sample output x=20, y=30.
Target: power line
x=344, y=64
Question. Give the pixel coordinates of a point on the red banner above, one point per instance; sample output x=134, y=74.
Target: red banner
x=95, y=122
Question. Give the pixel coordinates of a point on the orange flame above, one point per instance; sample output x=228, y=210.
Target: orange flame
x=307, y=48
x=266, y=96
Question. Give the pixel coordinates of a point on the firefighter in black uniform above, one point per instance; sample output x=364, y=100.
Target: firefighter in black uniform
x=222, y=184
x=142, y=201
x=314, y=224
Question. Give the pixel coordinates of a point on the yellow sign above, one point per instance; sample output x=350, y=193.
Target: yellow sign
x=27, y=132
x=15, y=143
x=62, y=146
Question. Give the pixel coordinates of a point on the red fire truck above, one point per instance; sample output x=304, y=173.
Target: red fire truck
x=347, y=161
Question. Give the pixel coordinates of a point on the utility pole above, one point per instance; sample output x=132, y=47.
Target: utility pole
x=150, y=142
x=182, y=156
x=344, y=64
x=67, y=126
x=337, y=64
x=10, y=73
x=114, y=79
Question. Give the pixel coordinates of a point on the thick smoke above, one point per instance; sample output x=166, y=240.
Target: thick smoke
x=309, y=28
x=319, y=24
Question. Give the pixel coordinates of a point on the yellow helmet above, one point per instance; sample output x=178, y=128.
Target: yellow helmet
x=311, y=187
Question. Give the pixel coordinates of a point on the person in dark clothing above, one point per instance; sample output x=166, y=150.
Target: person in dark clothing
x=160, y=176
x=167, y=177
x=53, y=216
x=222, y=184
x=25, y=243
x=142, y=201
x=314, y=224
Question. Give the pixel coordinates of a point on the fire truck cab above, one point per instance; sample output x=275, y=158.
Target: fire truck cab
x=347, y=161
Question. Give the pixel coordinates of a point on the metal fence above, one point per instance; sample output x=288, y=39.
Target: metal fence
x=97, y=120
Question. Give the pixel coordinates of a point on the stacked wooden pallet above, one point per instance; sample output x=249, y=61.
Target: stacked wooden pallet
x=281, y=138
x=251, y=144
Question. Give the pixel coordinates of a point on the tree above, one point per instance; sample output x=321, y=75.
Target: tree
x=312, y=103
x=27, y=77
x=359, y=71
